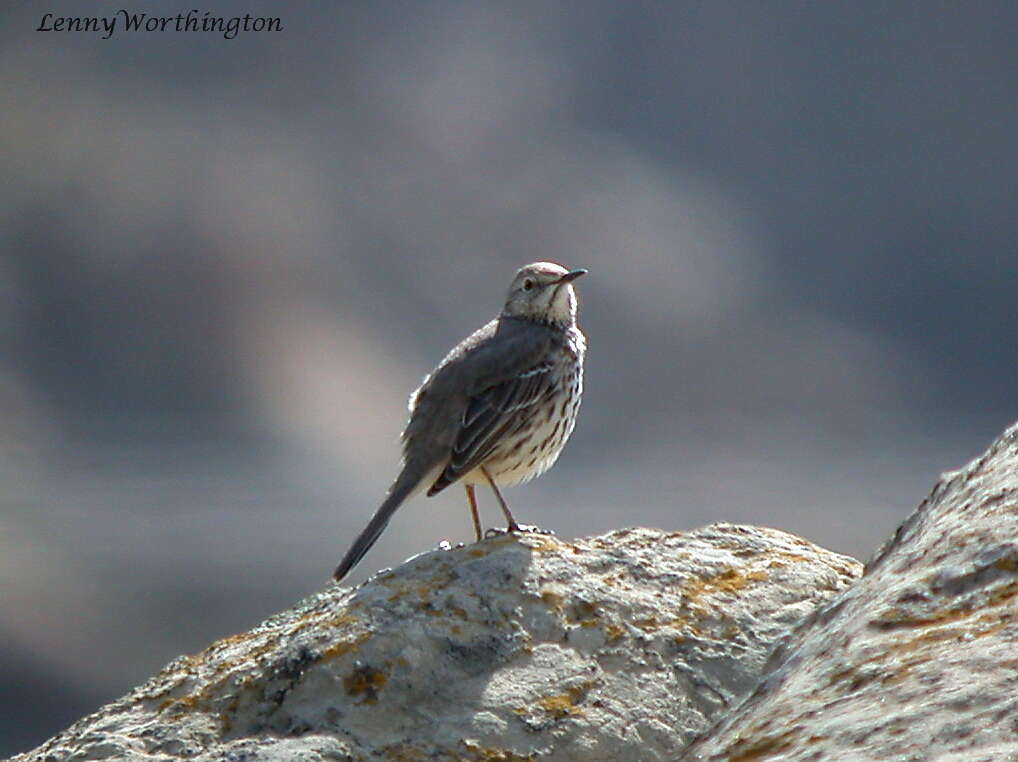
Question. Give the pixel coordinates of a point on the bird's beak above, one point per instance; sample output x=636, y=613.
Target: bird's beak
x=571, y=276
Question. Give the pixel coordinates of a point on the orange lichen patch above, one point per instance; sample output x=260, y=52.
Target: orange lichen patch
x=988, y=623
x=565, y=704
x=402, y=586
x=650, y=624
x=343, y=647
x=993, y=629
x=559, y=706
x=213, y=674
x=340, y=621
x=315, y=619
x=728, y=581
x=582, y=610
x=366, y=682
x=681, y=623
x=894, y=619
x=218, y=675
x=477, y=553
x=614, y=632
x=552, y=600
x=428, y=607
x=793, y=557
x=841, y=675
x=425, y=592
x=1004, y=593
x=176, y=706
x=202, y=700
x=1007, y=563
x=222, y=644
x=937, y=633
x=761, y=748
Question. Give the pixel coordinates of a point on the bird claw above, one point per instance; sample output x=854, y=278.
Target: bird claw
x=517, y=528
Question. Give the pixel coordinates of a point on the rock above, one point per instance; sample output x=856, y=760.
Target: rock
x=618, y=647
x=917, y=661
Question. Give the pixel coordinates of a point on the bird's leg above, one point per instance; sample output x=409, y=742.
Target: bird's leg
x=472, y=500
x=513, y=526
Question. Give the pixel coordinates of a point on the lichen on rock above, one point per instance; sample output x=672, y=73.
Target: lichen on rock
x=617, y=647
x=917, y=660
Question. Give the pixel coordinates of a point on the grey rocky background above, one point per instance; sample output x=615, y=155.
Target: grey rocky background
x=917, y=661
x=617, y=647
x=225, y=264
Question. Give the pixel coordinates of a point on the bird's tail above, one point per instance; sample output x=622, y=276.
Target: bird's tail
x=401, y=490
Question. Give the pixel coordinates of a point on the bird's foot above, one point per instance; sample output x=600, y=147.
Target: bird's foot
x=516, y=528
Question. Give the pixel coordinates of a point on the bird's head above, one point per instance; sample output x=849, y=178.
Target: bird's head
x=543, y=291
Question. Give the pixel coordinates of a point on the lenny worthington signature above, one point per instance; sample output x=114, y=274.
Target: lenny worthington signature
x=191, y=21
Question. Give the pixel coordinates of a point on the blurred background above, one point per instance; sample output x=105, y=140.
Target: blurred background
x=224, y=265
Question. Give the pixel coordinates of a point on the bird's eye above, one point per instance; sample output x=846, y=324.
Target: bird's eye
x=528, y=284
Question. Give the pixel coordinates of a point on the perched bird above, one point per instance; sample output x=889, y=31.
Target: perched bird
x=499, y=408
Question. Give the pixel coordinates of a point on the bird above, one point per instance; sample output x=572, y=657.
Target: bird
x=498, y=409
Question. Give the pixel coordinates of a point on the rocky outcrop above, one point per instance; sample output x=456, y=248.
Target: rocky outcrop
x=635, y=645
x=919, y=659
x=618, y=647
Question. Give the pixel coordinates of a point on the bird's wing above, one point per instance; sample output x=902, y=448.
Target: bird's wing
x=499, y=404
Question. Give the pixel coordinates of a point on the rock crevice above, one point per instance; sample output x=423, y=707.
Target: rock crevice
x=915, y=661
